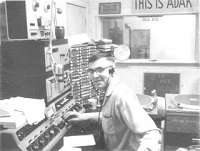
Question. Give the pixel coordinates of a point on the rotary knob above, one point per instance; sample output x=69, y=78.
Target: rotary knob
x=42, y=141
x=57, y=130
x=36, y=146
x=20, y=135
x=30, y=148
x=52, y=132
x=61, y=125
x=47, y=136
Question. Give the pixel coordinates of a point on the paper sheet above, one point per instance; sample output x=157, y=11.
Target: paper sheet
x=14, y=121
x=79, y=140
x=64, y=148
x=78, y=39
x=33, y=109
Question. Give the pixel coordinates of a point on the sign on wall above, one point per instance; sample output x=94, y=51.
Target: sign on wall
x=162, y=82
x=110, y=8
x=165, y=6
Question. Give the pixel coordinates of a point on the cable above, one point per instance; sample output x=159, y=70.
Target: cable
x=99, y=99
x=99, y=120
x=53, y=63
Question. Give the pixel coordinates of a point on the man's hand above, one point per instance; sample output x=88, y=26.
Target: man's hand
x=73, y=117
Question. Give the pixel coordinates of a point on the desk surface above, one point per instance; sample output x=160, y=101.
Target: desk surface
x=84, y=129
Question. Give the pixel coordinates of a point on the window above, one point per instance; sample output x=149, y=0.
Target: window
x=168, y=37
x=140, y=43
x=113, y=29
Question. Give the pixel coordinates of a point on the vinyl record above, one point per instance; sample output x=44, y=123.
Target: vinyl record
x=122, y=52
x=107, y=47
x=145, y=100
x=189, y=101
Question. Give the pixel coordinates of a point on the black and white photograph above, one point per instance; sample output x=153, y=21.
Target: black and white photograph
x=99, y=75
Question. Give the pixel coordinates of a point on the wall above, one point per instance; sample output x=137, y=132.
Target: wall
x=132, y=73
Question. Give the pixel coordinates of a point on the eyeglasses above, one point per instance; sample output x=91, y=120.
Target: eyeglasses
x=98, y=70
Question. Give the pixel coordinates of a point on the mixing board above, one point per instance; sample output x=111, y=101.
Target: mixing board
x=27, y=71
x=43, y=135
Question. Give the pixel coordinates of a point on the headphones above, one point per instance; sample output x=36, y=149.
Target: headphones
x=111, y=71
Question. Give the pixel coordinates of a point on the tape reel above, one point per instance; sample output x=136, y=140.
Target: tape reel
x=122, y=52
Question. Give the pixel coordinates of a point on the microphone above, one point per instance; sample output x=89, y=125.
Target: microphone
x=59, y=72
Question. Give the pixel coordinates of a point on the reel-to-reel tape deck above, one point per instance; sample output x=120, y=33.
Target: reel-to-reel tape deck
x=27, y=19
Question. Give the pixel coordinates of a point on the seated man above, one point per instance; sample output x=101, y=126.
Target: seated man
x=126, y=125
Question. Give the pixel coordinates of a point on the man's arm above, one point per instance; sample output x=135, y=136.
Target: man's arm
x=139, y=122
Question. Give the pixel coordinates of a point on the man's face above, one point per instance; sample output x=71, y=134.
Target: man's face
x=100, y=73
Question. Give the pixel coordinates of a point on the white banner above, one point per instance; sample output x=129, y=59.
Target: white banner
x=165, y=6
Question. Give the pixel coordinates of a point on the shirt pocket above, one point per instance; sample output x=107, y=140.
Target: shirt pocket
x=107, y=124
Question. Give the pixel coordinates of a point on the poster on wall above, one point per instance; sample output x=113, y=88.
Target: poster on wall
x=161, y=82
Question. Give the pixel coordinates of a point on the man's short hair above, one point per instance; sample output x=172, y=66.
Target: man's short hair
x=100, y=54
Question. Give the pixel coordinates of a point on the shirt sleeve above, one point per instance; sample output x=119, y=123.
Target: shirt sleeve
x=130, y=112
x=151, y=141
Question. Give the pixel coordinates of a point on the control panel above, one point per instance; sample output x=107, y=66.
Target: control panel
x=27, y=70
x=33, y=69
x=43, y=135
x=82, y=88
x=57, y=64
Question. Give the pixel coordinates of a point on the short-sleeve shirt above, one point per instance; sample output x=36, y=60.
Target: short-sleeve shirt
x=124, y=121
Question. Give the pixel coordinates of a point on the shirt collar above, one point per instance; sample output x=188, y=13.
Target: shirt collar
x=112, y=83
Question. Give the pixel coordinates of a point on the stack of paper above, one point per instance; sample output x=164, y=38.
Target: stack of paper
x=14, y=121
x=32, y=109
x=78, y=39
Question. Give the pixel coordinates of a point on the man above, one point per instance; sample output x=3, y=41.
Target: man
x=126, y=126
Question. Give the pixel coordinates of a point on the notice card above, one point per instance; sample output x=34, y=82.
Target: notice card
x=79, y=140
x=65, y=148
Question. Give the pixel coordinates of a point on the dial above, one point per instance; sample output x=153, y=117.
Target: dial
x=42, y=141
x=47, y=136
x=36, y=146
x=52, y=132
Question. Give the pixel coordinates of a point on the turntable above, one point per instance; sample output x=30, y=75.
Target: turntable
x=182, y=119
x=182, y=113
x=185, y=102
x=154, y=106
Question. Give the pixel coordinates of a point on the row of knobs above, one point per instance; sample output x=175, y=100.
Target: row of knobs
x=45, y=139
